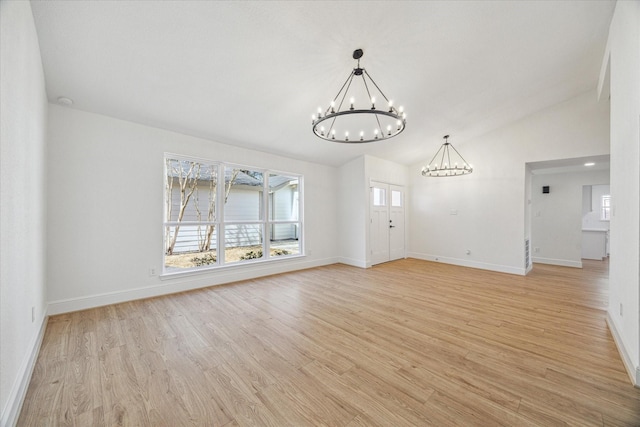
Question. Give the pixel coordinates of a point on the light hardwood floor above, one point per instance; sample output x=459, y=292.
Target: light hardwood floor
x=404, y=343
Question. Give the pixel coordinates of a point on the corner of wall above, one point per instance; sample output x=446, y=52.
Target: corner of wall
x=632, y=371
x=11, y=412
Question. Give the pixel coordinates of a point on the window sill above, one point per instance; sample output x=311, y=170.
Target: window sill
x=228, y=267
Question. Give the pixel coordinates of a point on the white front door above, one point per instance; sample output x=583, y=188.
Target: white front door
x=396, y=222
x=386, y=222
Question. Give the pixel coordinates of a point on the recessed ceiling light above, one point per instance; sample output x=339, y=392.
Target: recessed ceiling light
x=63, y=100
x=589, y=164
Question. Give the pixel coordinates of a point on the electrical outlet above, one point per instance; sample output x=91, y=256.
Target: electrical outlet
x=152, y=271
x=536, y=250
x=33, y=314
x=468, y=251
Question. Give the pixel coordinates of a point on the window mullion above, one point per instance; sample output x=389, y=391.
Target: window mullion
x=220, y=214
x=265, y=216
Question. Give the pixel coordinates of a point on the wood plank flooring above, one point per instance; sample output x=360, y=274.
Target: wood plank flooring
x=406, y=343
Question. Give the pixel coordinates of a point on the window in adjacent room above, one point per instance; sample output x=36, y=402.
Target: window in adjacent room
x=219, y=214
x=605, y=211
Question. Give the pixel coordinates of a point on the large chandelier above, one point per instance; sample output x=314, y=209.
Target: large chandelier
x=355, y=115
x=450, y=162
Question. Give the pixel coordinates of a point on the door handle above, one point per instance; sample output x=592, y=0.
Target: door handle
x=392, y=226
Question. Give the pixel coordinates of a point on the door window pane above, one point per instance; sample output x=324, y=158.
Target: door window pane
x=379, y=197
x=396, y=199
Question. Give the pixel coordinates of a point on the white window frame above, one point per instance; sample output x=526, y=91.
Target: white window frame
x=265, y=221
x=605, y=207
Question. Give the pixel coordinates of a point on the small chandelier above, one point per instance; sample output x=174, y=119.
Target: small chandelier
x=451, y=162
x=345, y=121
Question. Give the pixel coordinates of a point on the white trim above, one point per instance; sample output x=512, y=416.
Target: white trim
x=561, y=262
x=354, y=262
x=198, y=271
x=467, y=263
x=177, y=285
x=11, y=411
x=632, y=371
x=528, y=270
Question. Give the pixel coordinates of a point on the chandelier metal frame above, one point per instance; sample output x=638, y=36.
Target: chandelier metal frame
x=446, y=167
x=331, y=114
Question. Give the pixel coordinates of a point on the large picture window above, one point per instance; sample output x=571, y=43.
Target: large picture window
x=218, y=214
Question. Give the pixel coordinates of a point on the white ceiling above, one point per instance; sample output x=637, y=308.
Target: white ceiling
x=251, y=73
x=577, y=164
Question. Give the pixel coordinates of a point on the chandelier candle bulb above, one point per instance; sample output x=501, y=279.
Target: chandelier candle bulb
x=373, y=102
x=390, y=106
x=352, y=101
x=333, y=104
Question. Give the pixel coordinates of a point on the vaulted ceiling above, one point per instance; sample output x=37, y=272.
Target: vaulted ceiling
x=251, y=73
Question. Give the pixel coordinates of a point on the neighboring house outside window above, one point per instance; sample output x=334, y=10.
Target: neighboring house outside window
x=218, y=214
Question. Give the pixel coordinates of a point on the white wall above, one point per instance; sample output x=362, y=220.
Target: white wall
x=491, y=202
x=105, y=209
x=352, y=211
x=624, y=272
x=556, y=223
x=23, y=107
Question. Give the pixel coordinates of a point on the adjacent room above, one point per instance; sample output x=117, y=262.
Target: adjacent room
x=203, y=223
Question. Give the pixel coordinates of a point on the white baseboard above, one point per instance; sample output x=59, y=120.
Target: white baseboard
x=632, y=371
x=181, y=283
x=11, y=411
x=353, y=262
x=468, y=263
x=561, y=262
